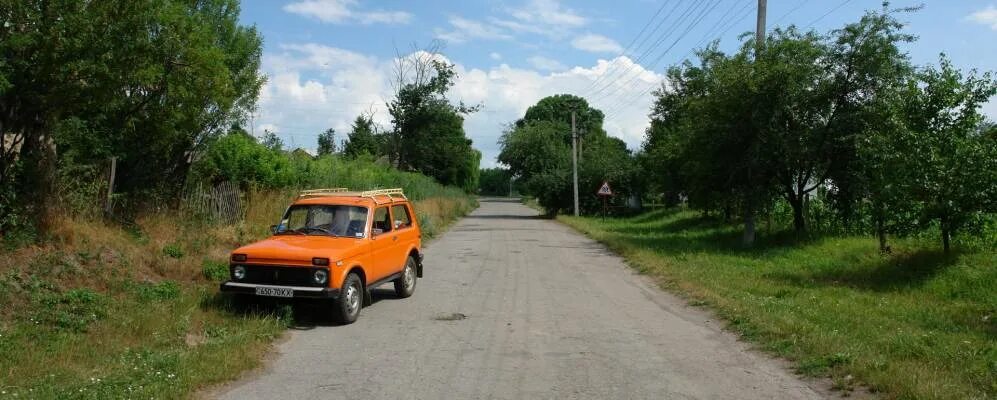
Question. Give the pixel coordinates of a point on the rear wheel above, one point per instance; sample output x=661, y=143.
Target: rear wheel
x=405, y=284
x=347, y=308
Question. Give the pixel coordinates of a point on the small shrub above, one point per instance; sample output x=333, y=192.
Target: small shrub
x=165, y=290
x=73, y=310
x=173, y=250
x=214, y=270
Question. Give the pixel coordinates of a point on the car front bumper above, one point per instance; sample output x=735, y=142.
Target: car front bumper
x=298, y=291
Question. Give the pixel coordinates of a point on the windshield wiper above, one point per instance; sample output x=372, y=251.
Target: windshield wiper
x=323, y=230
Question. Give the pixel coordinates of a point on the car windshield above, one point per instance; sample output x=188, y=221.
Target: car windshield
x=331, y=220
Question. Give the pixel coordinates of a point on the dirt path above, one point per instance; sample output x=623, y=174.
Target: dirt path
x=515, y=307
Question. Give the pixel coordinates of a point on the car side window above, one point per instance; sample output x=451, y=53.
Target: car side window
x=402, y=217
x=382, y=220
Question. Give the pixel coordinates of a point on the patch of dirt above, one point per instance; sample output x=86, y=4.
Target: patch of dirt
x=450, y=317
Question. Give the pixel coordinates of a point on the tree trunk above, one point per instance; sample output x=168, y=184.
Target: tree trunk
x=884, y=248
x=946, y=235
x=796, y=202
x=749, y=224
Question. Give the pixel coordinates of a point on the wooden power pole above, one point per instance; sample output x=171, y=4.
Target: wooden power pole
x=760, y=27
x=574, y=160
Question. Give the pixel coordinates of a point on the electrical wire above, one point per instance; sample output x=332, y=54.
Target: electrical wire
x=646, y=53
x=629, y=45
x=699, y=18
x=745, y=12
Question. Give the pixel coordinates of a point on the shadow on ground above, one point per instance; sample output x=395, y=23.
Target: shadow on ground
x=890, y=273
x=301, y=314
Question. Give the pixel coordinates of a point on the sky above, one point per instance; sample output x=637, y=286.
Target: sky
x=327, y=61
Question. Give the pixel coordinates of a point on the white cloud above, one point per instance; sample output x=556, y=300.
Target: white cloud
x=548, y=12
x=465, y=29
x=986, y=16
x=545, y=64
x=313, y=87
x=495, y=56
x=342, y=11
x=596, y=44
x=537, y=17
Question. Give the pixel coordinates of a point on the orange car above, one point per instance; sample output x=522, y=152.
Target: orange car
x=334, y=244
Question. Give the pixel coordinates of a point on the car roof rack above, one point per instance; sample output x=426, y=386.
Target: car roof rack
x=322, y=192
x=392, y=194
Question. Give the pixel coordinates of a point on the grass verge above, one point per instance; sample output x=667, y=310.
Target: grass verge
x=99, y=311
x=912, y=325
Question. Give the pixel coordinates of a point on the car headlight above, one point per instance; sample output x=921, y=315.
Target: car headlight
x=320, y=276
x=239, y=272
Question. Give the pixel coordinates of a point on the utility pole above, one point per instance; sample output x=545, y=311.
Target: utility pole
x=748, y=238
x=760, y=27
x=574, y=159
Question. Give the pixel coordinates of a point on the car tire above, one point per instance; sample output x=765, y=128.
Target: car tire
x=347, y=307
x=405, y=284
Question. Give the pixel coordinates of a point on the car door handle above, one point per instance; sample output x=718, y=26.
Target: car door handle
x=395, y=238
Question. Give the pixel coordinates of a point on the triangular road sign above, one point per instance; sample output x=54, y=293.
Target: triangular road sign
x=604, y=190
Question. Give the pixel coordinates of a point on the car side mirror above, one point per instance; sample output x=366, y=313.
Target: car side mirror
x=273, y=229
x=376, y=231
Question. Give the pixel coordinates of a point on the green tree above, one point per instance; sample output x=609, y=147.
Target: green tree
x=363, y=138
x=537, y=150
x=271, y=141
x=428, y=133
x=495, y=182
x=146, y=81
x=949, y=168
x=237, y=157
x=327, y=142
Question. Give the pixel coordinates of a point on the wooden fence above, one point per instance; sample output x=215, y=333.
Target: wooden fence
x=220, y=203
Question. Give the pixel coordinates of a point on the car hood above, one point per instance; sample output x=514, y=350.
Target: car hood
x=299, y=249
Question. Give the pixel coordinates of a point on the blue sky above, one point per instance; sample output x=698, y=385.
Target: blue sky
x=329, y=60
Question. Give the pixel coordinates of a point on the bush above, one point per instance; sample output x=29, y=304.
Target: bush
x=238, y=158
x=173, y=250
x=214, y=270
x=165, y=290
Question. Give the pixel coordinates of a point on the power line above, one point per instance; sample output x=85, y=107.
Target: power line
x=629, y=45
x=647, y=52
x=791, y=10
x=745, y=12
x=725, y=19
x=699, y=18
x=828, y=13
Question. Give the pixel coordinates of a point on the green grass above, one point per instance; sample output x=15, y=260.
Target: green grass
x=126, y=341
x=916, y=324
x=100, y=311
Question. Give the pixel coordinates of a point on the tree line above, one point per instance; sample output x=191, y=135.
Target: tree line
x=845, y=118
x=842, y=128
x=427, y=133
x=149, y=82
x=163, y=85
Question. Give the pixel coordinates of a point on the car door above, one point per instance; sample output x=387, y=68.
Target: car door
x=405, y=230
x=383, y=245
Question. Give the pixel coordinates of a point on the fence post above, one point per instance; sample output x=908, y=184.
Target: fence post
x=110, y=186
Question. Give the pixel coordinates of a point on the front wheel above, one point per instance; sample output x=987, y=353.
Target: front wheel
x=405, y=284
x=347, y=308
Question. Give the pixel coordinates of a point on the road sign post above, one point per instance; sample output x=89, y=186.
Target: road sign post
x=605, y=192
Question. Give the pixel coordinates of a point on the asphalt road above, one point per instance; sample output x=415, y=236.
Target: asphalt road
x=515, y=307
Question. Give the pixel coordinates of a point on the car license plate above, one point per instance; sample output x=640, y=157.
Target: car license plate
x=274, y=292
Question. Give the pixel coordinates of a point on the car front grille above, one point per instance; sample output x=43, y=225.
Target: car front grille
x=279, y=275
